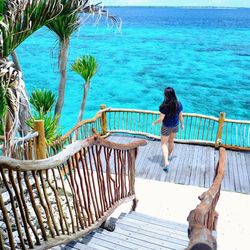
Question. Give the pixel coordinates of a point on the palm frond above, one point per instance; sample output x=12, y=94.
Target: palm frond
x=86, y=67
x=50, y=126
x=42, y=100
x=22, y=18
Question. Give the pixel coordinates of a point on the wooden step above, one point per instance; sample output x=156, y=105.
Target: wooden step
x=134, y=228
x=135, y=231
x=158, y=221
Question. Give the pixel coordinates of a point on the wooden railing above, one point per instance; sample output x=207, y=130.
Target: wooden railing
x=22, y=148
x=58, y=199
x=203, y=219
x=199, y=129
x=80, y=131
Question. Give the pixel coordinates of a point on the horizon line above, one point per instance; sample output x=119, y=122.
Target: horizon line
x=167, y=6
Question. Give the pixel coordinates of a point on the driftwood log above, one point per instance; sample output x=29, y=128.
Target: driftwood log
x=203, y=219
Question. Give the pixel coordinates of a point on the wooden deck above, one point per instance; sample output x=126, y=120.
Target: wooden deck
x=191, y=165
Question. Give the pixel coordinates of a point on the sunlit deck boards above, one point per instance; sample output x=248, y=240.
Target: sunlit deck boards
x=191, y=165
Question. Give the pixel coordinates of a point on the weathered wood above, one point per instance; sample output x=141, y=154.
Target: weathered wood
x=203, y=219
x=104, y=119
x=60, y=158
x=68, y=238
x=40, y=141
x=218, y=140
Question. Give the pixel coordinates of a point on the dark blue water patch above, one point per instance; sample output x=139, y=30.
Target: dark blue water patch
x=210, y=50
x=242, y=54
x=201, y=18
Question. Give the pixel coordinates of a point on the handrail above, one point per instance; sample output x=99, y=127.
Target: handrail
x=55, y=200
x=60, y=158
x=199, y=129
x=22, y=147
x=203, y=219
x=75, y=128
x=80, y=131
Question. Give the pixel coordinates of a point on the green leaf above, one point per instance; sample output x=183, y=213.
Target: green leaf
x=50, y=126
x=86, y=67
x=42, y=100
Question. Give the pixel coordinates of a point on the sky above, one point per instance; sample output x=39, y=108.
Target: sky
x=216, y=3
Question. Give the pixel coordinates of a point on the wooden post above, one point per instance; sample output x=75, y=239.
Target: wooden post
x=133, y=153
x=220, y=129
x=104, y=120
x=40, y=141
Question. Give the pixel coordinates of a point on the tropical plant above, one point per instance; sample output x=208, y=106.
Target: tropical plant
x=18, y=20
x=64, y=25
x=50, y=125
x=86, y=67
x=42, y=100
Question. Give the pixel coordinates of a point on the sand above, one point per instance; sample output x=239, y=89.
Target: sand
x=174, y=202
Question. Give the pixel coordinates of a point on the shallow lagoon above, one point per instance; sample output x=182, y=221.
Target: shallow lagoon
x=203, y=53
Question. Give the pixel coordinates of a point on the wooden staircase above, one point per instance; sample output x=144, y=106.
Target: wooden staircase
x=134, y=231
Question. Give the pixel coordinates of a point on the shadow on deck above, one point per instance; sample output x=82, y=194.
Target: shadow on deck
x=191, y=165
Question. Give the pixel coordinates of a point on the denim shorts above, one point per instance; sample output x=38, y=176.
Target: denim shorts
x=166, y=131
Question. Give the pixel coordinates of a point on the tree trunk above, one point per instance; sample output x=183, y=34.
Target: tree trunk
x=24, y=112
x=16, y=61
x=84, y=97
x=63, y=59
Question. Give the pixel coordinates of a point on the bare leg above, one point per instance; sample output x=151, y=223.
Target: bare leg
x=171, y=143
x=164, y=147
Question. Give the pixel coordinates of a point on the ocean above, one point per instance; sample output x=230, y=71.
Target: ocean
x=203, y=53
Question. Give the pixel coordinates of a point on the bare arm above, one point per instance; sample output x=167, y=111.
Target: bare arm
x=159, y=120
x=181, y=120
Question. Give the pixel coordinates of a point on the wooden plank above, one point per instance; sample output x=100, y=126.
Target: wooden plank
x=203, y=167
x=147, y=241
x=191, y=180
x=158, y=221
x=168, y=230
x=236, y=172
x=212, y=166
x=192, y=165
x=150, y=157
x=174, y=166
x=242, y=174
x=229, y=166
x=226, y=179
x=152, y=222
x=167, y=233
x=158, y=165
x=123, y=240
x=85, y=243
x=198, y=166
x=133, y=228
x=156, y=161
x=142, y=162
x=246, y=169
x=182, y=165
x=98, y=242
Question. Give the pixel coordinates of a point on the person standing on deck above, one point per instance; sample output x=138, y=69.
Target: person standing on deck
x=170, y=115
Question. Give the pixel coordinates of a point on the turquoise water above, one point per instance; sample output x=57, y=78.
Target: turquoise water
x=203, y=53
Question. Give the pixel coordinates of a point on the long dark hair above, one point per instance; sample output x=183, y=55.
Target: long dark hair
x=170, y=102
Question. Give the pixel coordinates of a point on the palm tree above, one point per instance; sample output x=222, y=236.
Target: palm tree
x=18, y=20
x=86, y=67
x=64, y=26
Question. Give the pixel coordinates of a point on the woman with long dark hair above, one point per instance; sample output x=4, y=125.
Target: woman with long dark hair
x=170, y=115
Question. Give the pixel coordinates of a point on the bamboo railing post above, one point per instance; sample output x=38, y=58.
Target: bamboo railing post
x=220, y=129
x=40, y=142
x=104, y=119
x=133, y=154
